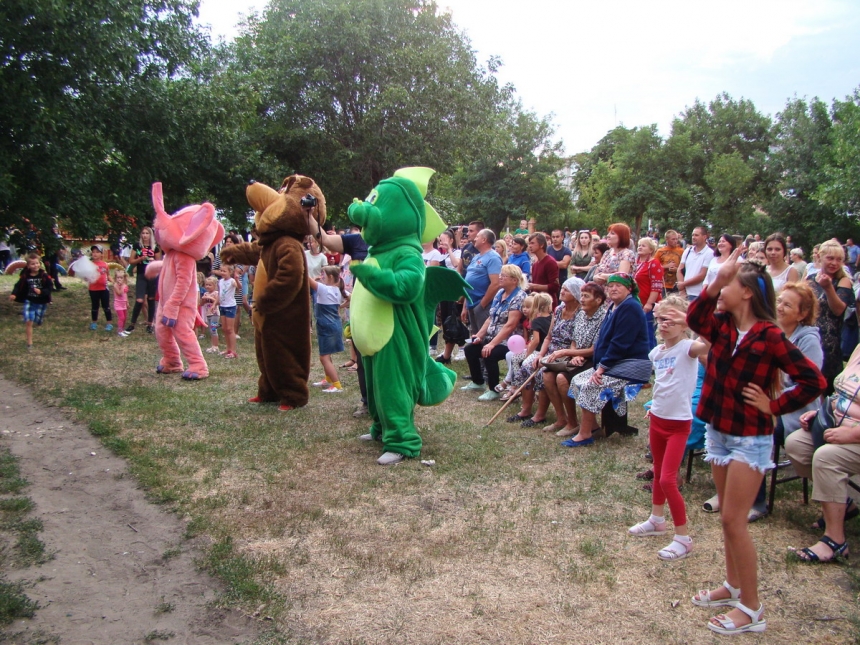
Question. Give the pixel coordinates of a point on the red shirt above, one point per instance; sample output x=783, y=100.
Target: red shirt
x=762, y=352
x=546, y=272
x=100, y=283
x=649, y=277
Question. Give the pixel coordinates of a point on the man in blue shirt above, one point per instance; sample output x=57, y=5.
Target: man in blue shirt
x=482, y=274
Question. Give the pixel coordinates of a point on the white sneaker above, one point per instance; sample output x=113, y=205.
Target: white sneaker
x=432, y=352
x=366, y=437
x=332, y=390
x=322, y=383
x=390, y=458
x=461, y=355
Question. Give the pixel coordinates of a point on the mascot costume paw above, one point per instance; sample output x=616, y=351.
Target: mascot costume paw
x=393, y=309
x=282, y=312
x=185, y=237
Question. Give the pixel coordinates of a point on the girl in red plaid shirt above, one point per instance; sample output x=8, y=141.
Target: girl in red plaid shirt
x=748, y=351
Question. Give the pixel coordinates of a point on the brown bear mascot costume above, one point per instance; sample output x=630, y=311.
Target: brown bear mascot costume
x=282, y=309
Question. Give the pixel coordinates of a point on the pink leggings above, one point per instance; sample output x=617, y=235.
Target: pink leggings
x=120, y=317
x=668, y=443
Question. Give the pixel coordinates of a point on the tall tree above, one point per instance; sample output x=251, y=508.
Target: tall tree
x=351, y=90
x=840, y=188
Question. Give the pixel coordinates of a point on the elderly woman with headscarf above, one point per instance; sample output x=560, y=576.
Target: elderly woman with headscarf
x=620, y=359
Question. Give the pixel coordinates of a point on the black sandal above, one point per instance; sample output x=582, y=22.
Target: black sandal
x=839, y=551
x=516, y=418
x=531, y=423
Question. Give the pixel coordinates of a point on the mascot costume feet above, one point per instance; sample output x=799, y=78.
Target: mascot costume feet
x=185, y=237
x=393, y=309
x=282, y=310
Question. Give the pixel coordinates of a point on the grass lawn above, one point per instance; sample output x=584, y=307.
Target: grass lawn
x=509, y=538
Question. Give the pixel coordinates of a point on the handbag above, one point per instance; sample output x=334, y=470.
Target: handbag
x=564, y=365
x=454, y=331
x=822, y=420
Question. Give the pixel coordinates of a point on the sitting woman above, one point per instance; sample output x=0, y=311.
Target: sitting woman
x=620, y=357
x=553, y=386
x=490, y=342
x=831, y=464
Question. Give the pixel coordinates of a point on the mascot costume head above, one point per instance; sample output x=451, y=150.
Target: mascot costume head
x=393, y=307
x=185, y=237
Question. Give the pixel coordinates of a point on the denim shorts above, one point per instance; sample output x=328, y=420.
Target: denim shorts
x=755, y=451
x=228, y=312
x=34, y=312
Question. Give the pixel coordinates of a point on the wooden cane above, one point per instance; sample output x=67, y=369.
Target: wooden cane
x=513, y=396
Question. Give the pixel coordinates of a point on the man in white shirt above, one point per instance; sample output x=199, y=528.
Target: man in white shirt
x=694, y=264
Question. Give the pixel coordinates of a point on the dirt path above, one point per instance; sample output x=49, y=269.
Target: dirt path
x=107, y=580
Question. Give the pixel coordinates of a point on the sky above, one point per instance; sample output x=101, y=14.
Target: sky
x=591, y=66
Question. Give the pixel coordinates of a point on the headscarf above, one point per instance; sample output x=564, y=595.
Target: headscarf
x=574, y=286
x=627, y=280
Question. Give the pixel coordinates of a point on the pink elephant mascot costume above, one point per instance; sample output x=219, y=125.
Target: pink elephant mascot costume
x=184, y=237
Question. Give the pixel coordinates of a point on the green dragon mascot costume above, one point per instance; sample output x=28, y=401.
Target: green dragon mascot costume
x=393, y=308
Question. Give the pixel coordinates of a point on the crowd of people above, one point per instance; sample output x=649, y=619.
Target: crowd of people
x=582, y=324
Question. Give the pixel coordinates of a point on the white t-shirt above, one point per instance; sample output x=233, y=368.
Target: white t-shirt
x=315, y=264
x=694, y=261
x=455, y=253
x=328, y=294
x=675, y=373
x=713, y=268
x=227, y=292
x=433, y=255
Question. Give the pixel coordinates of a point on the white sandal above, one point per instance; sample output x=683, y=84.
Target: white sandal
x=703, y=598
x=676, y=551
x=727, y=626
x=646, y=528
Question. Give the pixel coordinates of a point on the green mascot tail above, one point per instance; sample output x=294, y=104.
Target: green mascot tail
x=439, y=382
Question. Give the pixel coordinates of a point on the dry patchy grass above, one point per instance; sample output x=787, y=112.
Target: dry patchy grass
x=509, y=538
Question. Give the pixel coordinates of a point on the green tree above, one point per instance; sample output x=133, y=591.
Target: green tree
x=840, y=187
x=725, y=146
x=517, y=178
x=801, y=136
x=60, y=65
x=351, y=90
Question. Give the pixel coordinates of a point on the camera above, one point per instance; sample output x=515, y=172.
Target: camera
x=308, y=201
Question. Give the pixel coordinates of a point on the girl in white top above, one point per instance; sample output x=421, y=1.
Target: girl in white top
x=432, y=256
x=227, y=286
x=777, y=266
x=330, y=295
x=675, y=369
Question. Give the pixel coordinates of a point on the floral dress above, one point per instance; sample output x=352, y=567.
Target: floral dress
x=561, y=336
x=830, y=328
x=611, y=260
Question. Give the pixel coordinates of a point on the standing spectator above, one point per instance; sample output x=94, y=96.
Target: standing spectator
x=142, y=253
x=5, y=254
x=580, y=258
x=482, y=275
x=835, y=294
x=619, y=258
x=544, y=276
x=694, y=264
x=852, y=256
x=796, y=257
x=523, y=229
x=559, y=252
x=502, y=250
x=649, y=278
x=725, y=245
x=446, y=308
x=52, y=262
x=520, y=257
x=99, y=294
x=670, y=257
x=778, y=268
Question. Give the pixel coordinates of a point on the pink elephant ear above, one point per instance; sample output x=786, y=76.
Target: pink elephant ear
x=158, y=198
x=198, y=232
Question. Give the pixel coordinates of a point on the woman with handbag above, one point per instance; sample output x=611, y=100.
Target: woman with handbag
x=828, y=450
x=620, y=356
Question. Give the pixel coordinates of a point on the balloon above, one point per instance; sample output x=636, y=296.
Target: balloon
x=516, y=343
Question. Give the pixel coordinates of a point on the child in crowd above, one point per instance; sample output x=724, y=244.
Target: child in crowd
x=238, y=273
x=99, y=294
x=210, y=311
x=748, y=351
x=120, y=298
x=227, y=286
x=330, y=295
x=675, y=366
x=537, y=310
x=33, y=289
